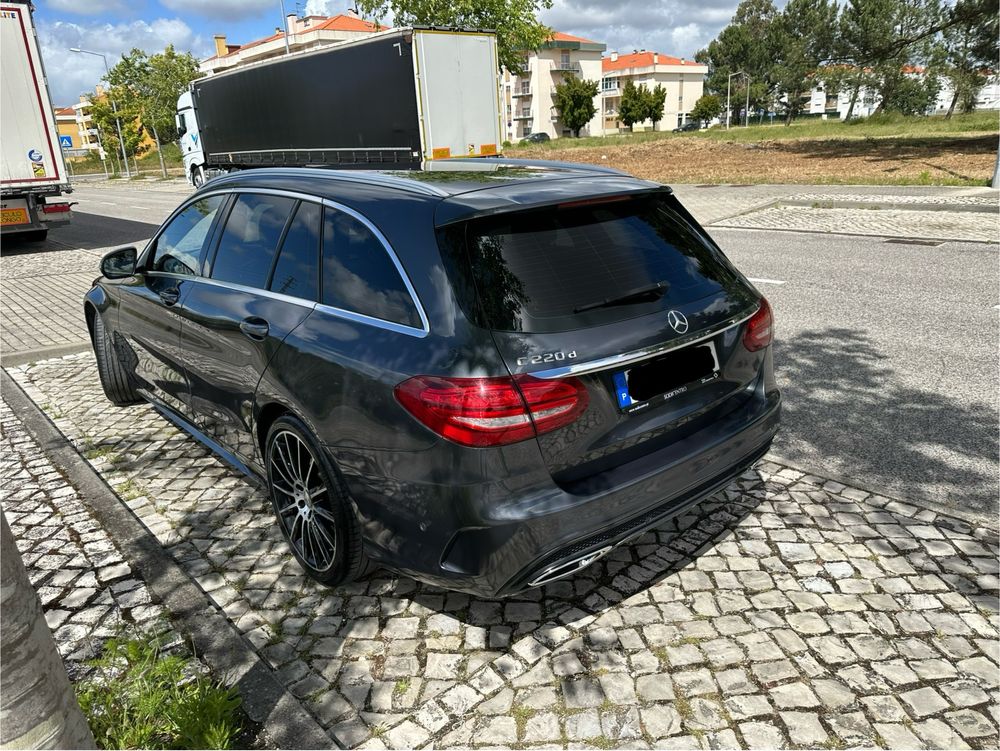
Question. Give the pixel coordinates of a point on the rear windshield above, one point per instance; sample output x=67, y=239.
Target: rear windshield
x=581, y=264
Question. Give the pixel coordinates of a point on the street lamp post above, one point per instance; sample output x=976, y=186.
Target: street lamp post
x=114, y=107
x=729, y=84
x=284, y=20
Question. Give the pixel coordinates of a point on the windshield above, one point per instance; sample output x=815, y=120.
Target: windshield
x=581, y=264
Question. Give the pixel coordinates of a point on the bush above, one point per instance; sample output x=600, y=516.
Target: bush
x=141, y=697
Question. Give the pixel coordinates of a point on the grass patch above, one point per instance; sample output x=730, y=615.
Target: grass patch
x=521, y=715
x=401, y=687
x=602, y=741
x=100, y=452
x=140, y=697
x=128, y=490
x=683, y=707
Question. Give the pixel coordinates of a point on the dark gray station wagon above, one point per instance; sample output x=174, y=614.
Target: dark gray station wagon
x=486, y=377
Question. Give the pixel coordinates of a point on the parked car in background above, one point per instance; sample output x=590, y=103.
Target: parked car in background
x=688, y=126
x=539, y=137
x=486, y=376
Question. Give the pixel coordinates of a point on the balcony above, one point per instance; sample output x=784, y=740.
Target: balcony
x=521, y=93
x=523, y=116
x=565, y=66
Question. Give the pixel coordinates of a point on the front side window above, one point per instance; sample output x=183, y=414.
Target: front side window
x=178, y=248
x=358, y=274
x=250, y=239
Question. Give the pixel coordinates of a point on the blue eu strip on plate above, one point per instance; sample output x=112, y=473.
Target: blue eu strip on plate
x=621, y=390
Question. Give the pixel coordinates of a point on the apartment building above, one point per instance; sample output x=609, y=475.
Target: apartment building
x=528, y=94
x=684, y=81
x=304, y=33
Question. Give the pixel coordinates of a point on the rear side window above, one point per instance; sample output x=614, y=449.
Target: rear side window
x=178, y=248
x=250, y=239
x=576, y=265
x=358, y=274
x=296, y=272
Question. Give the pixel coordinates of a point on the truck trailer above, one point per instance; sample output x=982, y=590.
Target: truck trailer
x=399, y=97
x=33, y=173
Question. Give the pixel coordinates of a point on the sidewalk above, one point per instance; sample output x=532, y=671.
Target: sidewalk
x=786, y=609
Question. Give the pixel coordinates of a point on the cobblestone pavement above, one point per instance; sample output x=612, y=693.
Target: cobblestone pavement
x=938, y=225
x=88, y=590
x=986, y=201
x=786, y=610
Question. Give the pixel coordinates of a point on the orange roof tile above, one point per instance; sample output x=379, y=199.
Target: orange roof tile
x=642, y=60
x=558, y=36
x=343, y=22
x=64, y=111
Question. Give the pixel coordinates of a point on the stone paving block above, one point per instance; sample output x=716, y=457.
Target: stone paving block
x=804, y=729
x=922, y=702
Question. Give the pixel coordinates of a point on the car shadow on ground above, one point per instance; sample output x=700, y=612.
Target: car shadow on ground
x=842, y=399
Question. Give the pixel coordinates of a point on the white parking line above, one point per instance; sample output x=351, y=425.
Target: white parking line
x=765, y=281
x=144, y=208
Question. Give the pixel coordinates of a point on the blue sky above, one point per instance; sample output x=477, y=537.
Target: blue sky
x=112, y=27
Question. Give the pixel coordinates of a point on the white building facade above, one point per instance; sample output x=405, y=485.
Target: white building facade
x=528, y=94
x=683, y=80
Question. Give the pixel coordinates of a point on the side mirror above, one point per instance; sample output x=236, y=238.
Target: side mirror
x=119, y=264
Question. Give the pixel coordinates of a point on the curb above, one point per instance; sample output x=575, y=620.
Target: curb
x=286, y=723
x=24, y=357
x=973, y=518
x=824, y=233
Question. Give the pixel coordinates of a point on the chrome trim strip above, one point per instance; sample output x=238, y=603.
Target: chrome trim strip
x=630, y=358
x=398, y=328
x=366, y=176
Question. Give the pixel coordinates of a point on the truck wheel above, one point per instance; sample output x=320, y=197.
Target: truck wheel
x=35, y=236
x=114, y=378
x=311, y=504
x=197, y=177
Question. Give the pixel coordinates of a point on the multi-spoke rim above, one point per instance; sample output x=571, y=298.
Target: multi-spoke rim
x=302, y=500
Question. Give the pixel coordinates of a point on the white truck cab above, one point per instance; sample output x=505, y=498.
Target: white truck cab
x=190, y=140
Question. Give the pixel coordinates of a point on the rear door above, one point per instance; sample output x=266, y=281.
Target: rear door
x=624, y=293
x=260, y=284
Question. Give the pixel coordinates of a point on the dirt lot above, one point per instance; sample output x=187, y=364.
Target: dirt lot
x=950, y=160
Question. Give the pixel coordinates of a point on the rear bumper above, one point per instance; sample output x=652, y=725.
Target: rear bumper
x=468, y=537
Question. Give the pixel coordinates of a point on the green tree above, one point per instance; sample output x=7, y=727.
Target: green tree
x=802, y=36
x=632, y=108
x=745, y=45
x=707, y=108
x=149, y=85
x=514, y=21
x=106, y=120
x=655, y=101
x=969, y=48
x=574, y=98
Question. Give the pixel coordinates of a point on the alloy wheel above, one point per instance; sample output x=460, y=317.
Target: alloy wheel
x=302, y=500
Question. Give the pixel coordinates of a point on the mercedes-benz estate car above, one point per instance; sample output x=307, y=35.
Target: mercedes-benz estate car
x=485, y=377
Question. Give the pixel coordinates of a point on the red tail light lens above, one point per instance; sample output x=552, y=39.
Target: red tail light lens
x=55, y=208
x=760, y=328
x=492, y=411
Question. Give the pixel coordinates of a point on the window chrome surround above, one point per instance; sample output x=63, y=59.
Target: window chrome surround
x=630, y=358
x=349, y=315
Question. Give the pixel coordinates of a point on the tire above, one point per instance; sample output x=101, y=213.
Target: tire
x=320, y=527
x=114, y=378
x=197, y=177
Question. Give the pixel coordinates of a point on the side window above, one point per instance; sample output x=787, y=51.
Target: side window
x=358, y=274
x=297, y=271
x=250, y=239
x=178, y=248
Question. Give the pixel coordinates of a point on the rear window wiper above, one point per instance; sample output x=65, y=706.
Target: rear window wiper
x=642, y=294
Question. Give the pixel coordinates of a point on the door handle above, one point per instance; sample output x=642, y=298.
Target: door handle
x=255, y=328
x=170, y=296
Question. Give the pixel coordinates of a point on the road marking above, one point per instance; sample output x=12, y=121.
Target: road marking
x=765, y=281
x=144, y=208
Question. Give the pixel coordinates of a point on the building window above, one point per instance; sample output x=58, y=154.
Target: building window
x=564, y=58
x=609, y=84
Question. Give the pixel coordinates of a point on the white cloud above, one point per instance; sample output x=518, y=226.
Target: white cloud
x=673, y=27
x=71, y=74
x=86, y=7
x=229, y=9
x=325, y=7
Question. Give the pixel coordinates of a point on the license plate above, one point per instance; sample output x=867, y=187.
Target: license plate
x=13, y=216
x=663, y=378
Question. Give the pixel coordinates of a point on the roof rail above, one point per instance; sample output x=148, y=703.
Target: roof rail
x=367, y=177
x=573, y=166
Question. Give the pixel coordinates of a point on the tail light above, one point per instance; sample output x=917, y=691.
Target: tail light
x=760, y=328
x=55, y=208
x=492, y=411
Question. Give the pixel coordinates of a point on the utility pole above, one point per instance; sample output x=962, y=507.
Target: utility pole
x=746, y=112
x=284, y=20
x=114, y=107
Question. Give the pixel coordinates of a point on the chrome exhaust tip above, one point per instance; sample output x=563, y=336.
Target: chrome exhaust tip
x=562, y=570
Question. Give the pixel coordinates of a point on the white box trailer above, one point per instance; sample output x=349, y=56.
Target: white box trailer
x=399, y=97
x=33, y=170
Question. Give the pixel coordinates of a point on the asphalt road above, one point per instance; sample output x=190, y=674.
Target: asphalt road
x=886, y=353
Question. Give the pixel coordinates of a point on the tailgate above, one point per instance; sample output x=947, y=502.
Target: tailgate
x=625, y=294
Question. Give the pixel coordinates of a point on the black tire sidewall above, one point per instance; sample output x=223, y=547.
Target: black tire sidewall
x=339, y=506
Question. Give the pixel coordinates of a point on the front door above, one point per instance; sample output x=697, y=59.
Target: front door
x=149, y=314
x=260, y=284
